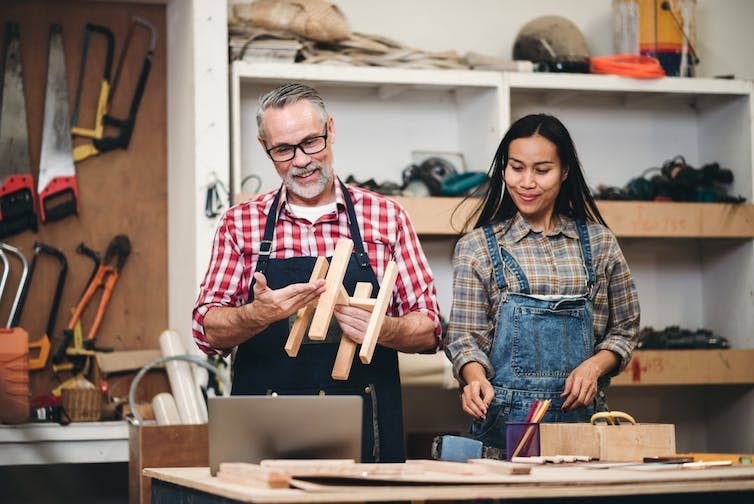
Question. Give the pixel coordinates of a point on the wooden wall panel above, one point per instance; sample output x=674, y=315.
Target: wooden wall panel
x=121, y=191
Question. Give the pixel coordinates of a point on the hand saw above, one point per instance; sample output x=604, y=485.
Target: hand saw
x=17, y=189
x=57, y=186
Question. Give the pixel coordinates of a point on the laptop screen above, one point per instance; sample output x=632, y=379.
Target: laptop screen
x=254, y=428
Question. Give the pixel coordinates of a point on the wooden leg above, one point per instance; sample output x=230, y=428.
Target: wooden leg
x=347, y=348
x=378, y=313
x=334, y=291
x=304, y=315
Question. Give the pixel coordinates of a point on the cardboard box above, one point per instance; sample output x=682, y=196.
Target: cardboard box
x=162, y=446
x=614, y=443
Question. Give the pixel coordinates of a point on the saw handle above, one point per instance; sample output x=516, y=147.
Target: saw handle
x=59, y=199
x=17, y=205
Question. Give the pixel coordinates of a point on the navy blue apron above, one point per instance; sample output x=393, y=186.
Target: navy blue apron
x=261, y=365
x=538, y=342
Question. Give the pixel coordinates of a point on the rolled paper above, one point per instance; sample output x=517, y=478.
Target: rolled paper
x=181, y=379
x=165, y=409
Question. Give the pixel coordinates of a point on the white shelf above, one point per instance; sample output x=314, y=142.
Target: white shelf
x=75, y=443
x=702, y=277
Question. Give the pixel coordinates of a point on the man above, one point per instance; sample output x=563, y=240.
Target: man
x=262, y=258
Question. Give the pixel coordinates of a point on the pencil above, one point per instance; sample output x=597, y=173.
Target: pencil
x=536, y=418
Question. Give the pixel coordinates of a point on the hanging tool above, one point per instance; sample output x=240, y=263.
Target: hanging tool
x=124, y=126
x=6, y=270
x=106, y=277
x=57, y=186
x=23, y=283
x=83, y=151
x=17, y=189
x=39, y=349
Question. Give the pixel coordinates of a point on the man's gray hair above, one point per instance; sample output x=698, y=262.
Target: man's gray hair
x=288, y=94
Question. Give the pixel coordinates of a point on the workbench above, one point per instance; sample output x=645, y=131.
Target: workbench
x=75, y=443
x=550, y=483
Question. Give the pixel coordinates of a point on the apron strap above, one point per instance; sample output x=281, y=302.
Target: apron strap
x=265, y=248
x=353, y=225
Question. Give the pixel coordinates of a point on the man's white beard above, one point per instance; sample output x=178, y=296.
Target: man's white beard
x=308, y=191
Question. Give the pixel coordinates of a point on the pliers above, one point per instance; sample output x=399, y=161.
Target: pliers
x=105, y=276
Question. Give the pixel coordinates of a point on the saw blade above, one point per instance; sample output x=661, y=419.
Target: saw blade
x=16, y=182
x=57, y=173
x=14, y=134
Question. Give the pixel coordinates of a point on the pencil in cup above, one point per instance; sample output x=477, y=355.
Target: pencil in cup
x=536, y=414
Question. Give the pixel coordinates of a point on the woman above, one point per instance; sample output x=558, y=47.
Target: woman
x=544, y=305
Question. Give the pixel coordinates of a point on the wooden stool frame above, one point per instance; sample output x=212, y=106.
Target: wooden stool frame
x=320, y=312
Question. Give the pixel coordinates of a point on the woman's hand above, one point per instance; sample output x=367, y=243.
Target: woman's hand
x=581, y=385
x=478, y=391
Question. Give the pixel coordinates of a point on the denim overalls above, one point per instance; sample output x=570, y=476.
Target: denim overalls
x=538, y=342
x=261, y=365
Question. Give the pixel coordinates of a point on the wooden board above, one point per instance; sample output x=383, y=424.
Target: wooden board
x=684, y=367
x=121, y=192
x=607, y=442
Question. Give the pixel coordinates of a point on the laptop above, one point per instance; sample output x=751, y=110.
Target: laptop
x=254, y=428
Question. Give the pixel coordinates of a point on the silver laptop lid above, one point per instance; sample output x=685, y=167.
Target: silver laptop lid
x=254, y=428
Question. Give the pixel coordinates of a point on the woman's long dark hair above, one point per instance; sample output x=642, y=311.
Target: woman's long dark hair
x=574, y=199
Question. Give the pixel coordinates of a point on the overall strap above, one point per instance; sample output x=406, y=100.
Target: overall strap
x=353, y=225
x=495, y=251
x=586, y=252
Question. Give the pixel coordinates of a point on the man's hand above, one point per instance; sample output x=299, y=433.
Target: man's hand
x=226, y=327
x=478, y=391
x=271, y=305
x=413, y=332
x=353, y=321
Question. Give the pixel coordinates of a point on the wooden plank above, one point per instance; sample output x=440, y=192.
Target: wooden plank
x=253, y=475
x=688, y=367
x=502, y=466
x=438, y=216
x=333, y=293
x=304, y=315
x=347, y=348
x=378, y=313
x=646, y=219
x=125, y=360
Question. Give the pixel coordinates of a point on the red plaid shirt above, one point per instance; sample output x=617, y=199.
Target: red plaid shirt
x=385, y=229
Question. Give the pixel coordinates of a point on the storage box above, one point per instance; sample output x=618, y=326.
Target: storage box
x=162, y=446
x=614, y=443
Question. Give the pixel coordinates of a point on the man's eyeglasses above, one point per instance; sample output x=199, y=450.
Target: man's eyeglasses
x=308, y=146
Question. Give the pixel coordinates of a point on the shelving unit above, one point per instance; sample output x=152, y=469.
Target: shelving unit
x=693, y=263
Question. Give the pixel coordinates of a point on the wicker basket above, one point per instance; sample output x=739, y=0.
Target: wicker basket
x=82, y=404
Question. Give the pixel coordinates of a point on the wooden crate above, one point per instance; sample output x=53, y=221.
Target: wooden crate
x=162, y=446
x=615, y=443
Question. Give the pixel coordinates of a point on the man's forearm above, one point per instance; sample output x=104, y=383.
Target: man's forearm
x=227, y=327
x=411, y=333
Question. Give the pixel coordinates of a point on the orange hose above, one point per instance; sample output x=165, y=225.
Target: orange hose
x=628, y=65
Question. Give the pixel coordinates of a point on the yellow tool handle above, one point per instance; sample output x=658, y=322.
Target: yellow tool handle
x=612, y=417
